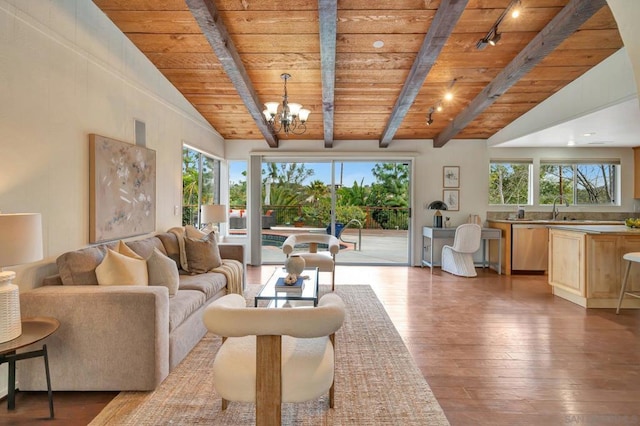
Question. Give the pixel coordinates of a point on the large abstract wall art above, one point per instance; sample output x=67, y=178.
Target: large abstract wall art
x=122, y=179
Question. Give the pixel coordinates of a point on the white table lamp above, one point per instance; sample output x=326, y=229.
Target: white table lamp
x=20, y=242
x=212, y=214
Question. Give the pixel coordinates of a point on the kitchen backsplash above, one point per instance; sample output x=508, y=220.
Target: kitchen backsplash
x=569, y=215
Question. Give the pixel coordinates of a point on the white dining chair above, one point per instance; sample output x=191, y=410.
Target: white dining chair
x=458, y=259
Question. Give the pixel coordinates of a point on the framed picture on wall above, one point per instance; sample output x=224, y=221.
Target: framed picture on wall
x=451, y=198
x=122, y=189
x=451, y=176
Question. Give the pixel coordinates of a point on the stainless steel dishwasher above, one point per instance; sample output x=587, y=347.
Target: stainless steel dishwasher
x=529, y=247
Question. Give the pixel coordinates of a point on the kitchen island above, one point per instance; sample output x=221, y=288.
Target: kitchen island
x=586, y=265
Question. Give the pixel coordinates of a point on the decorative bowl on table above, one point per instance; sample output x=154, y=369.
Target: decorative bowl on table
x=632, y=223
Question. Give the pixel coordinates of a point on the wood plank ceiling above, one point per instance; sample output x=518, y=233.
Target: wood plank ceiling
x=354, y=89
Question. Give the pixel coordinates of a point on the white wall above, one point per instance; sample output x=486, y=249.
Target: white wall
x=67, y=71
x=626, y=14
x=609, y=83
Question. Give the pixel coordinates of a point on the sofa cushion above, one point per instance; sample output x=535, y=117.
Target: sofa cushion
x=209, y=283
x=202, y=254
x=122, y=269
x=145, y=247
x=171, y=246
x=163, y=271
x=79, y=267
x=182, y=305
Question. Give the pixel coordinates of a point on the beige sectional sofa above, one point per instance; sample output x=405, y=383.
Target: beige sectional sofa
x=118, y=337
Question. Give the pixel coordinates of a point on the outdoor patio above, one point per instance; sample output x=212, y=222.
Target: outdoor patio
x=372, y=246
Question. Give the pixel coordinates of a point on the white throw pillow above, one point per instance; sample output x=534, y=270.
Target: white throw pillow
x=163, y=271
x=120, y=269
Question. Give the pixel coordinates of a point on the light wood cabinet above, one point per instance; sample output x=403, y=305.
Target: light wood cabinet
x=509, y=262
x=566, y=261
x=587, y=268
x=494, y=247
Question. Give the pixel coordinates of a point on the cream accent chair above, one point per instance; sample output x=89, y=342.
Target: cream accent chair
x=458, y=259
x=270, y=356
x=324, y=260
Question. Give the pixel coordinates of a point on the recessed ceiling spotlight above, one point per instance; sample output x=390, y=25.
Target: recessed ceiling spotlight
x=588, y=134
x=571, y=143
x=596, y=143
x=378, y=44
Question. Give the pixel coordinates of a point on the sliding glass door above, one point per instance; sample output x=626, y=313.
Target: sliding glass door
x=363, y=203
x=200, y=183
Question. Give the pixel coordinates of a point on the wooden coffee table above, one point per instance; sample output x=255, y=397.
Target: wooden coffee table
x=33, y=330
x=282, y=298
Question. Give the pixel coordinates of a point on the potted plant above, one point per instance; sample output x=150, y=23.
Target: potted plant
x=298, y=221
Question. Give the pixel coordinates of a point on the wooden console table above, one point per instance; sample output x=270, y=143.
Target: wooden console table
x=433, y=234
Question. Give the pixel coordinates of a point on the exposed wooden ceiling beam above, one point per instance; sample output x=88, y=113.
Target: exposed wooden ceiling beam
x=208, y=18
x=328, y=18
x=565, y=23
x=444, y=21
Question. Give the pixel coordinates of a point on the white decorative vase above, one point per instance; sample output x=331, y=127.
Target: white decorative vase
x=294, y=264
x=10, y=323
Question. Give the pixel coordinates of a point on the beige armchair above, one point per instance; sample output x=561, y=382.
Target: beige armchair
x=324, y=260
x=270, y=356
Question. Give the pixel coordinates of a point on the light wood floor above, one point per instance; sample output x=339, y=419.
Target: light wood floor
x=495, y=350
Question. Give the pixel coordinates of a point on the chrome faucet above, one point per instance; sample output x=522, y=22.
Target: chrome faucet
x=554, y=210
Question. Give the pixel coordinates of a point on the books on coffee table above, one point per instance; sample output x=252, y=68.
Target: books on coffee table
x=293, y=288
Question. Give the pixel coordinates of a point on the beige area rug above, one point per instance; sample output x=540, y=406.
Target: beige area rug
x=377, y=382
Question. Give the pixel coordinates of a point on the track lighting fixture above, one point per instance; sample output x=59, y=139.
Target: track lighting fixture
x=496, y=37
x=482, y=43
x=448, y=96
x=515, y=11
x=493, y=36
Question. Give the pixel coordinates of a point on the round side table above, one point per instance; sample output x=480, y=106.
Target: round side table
x=33, y=330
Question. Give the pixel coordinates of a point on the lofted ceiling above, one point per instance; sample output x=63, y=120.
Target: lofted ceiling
x=226, y=58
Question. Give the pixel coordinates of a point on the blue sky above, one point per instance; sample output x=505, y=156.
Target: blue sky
x=352, y=171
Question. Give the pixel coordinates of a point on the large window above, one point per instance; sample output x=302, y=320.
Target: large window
x=579, y=183
x=200, y=183
x=238, y=215
x=510, y=182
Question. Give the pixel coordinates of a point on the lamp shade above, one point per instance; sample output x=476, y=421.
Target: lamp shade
x=213, y=213
x=20, y=238
x=437, y=205
x=20, y=242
